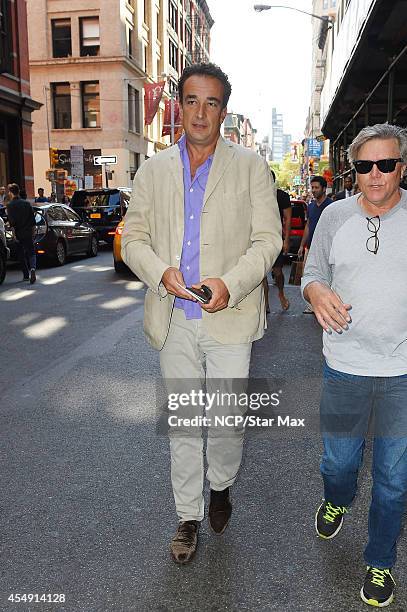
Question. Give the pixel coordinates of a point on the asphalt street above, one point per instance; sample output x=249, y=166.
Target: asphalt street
x=86, y=503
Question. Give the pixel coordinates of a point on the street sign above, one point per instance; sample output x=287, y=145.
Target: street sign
x=77, y=163
x=99, y=160
x=315, y=148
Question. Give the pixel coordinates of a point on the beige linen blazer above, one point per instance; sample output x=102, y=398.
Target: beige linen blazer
x=240, y=238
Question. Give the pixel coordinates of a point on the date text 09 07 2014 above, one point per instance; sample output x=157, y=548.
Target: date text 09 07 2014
x=37, y=597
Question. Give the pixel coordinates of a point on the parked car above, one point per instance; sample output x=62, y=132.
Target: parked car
x=102, y=208
x=60, y=232
x=298, y=222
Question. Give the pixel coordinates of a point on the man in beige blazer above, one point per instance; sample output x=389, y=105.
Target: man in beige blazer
x=203, y=212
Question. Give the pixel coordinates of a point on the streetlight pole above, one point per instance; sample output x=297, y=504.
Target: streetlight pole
x=328, y=21
x=53, y=183
x=265, y=7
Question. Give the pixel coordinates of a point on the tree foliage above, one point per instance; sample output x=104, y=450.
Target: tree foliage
x=286, y=171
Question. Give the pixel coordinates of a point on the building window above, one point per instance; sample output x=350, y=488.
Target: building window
x=61, y=37
x=134, y=110
x=129, y=41
x=325, y=4
x=90, y=104
x=61, y=103
x=90, y=36
x=173, y=55
x=158, y=25
x=137, y=109
x=6, y=38
x=333, y=3
x=145, y=11
x=173, y=15
x=134, y=164
x=130, y=95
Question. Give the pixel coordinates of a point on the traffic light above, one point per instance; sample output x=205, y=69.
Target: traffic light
x=311, y=166
x=53, y=157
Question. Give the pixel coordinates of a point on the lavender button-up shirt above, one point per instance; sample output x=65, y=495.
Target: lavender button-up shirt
x=194, y=191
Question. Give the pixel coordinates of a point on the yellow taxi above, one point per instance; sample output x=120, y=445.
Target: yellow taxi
x=118, y=262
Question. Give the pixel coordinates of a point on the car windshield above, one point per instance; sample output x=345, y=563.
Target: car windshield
x=84, y=199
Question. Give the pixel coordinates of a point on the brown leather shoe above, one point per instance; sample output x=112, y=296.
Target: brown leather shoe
x=220, y=510
x=184, y=543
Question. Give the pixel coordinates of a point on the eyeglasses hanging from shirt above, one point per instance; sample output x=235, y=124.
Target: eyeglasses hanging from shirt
x=372, y=243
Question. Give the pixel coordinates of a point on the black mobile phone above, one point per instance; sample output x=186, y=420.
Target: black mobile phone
x=203, y=295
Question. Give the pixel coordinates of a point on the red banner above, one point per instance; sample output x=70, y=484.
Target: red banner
x=167, y=118
x=152, y=96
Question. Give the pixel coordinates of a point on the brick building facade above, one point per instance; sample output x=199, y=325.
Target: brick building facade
x=16, y=104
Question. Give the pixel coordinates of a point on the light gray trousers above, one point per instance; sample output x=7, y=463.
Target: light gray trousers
x=189, y=358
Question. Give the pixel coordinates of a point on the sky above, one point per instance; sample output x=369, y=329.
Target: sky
x=267, y=57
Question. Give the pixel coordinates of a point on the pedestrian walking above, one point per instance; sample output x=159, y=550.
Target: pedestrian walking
x=22, y=221
x=284, y=207
x=359, y=295
x=315, y=209
x=203, y=213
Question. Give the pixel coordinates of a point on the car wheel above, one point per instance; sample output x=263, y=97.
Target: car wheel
x=93, y=247
x=120, y=266
x=60, y=253
x=2, y=269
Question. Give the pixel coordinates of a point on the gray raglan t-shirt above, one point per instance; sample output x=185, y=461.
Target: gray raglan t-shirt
x=375, y=285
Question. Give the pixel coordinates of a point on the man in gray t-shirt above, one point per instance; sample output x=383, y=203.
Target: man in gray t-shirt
x=356, y=283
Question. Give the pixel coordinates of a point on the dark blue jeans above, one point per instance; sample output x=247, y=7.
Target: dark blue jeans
x=347, y=404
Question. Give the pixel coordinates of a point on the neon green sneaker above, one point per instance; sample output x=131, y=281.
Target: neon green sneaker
x=329, y=519
x=378, y=588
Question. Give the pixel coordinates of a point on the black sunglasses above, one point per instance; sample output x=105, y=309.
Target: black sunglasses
x=372, y=243
x=364, y=166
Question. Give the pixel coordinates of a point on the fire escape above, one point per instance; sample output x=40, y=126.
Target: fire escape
x=198, y=49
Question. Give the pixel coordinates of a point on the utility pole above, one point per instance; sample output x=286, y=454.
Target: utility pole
x=172, y=117
x=53, y=183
